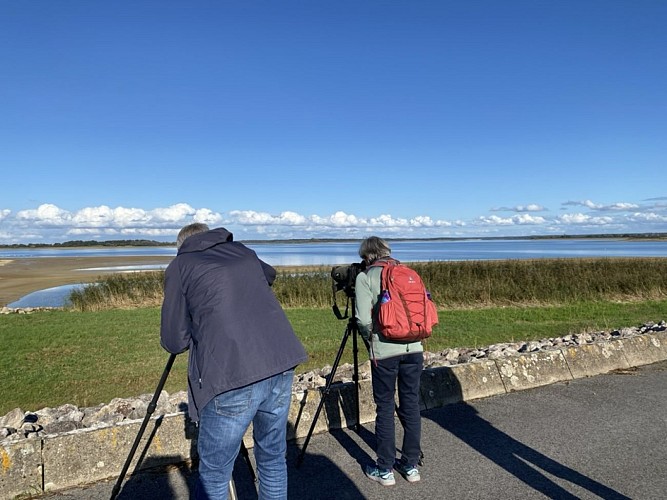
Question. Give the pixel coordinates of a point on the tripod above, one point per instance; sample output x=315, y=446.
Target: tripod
x=353, y=331
x=151, y=408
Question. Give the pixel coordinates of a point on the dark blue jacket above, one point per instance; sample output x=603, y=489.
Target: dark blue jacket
x=218, y=304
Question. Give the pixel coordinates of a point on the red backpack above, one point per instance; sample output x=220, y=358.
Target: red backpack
x=405, y=312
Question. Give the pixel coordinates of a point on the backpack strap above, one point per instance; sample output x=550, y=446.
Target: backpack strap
x=384, y=262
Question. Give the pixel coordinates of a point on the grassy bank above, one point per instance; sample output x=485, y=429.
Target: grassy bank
x=452, y=284
x=86, y=358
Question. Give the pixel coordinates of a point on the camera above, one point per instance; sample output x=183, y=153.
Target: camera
x=344, y=277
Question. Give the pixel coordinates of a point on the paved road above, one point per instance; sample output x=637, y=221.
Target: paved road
x=601, y=437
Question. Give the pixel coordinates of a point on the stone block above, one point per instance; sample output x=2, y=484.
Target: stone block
x=660, y=343
x=302, y=412
x=533, y=370
x=340, y=409
x=478, y=380
x=439, y=387
x=593, y=359
x=89, y=455
x=20, y=467
x=645, y=349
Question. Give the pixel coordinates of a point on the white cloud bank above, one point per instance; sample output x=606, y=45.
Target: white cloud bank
x=49, y=223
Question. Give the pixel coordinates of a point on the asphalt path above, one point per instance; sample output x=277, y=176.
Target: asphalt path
x=599, y=437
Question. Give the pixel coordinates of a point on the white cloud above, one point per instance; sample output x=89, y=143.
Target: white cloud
x=341, y=219
x=152, y=232
x=624, y=206
x=579, y=218
x=529, y=219
x=90, y=232
x=94, y=216
x=174, y=213
x=103, y=216
x=385, y=220
x=249, y=217
x=130, y=216
x=100, y=222
x=647, y=217
x=494, y=220
x=620, y=206
x=337, y=220
x=207, y=216
x=47, y=215
x=523, y=219
x=531, y=207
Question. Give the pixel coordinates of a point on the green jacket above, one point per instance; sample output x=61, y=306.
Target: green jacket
x=367, y=293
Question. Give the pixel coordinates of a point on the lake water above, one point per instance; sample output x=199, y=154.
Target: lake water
x=337, y=253
x=334, y=253
x=58, y=296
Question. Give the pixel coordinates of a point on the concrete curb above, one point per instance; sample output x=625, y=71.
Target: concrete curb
x=55, y=462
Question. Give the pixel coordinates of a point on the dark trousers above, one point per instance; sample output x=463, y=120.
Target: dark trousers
x=407, y=369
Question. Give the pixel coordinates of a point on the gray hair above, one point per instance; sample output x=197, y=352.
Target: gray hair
x=373, y=248
x=189, y=230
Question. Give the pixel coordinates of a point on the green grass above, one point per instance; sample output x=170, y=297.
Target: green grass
x=86, y=358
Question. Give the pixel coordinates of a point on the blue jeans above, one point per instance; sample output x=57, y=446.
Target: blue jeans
x=224, y=421
x=407, y=369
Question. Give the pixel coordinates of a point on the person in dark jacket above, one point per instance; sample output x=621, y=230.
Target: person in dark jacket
x=218, y=304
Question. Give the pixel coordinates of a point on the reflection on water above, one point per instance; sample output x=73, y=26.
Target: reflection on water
x=50, y=297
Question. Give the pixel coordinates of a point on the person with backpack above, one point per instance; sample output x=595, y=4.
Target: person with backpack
x=392, y=359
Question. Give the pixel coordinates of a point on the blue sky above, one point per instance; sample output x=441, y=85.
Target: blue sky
x=300, y=119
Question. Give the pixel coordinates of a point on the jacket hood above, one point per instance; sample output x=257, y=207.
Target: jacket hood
x=203, y=241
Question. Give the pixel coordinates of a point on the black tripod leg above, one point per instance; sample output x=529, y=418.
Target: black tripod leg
x=355, y=376
x=149, y=412
x=325, y=393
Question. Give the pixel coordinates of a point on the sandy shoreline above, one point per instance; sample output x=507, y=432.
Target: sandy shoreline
x=19, y=277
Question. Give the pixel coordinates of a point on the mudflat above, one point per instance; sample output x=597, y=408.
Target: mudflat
x=19, y=277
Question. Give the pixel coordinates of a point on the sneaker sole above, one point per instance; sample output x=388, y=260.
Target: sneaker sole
x=409, y=479
x=383, y=482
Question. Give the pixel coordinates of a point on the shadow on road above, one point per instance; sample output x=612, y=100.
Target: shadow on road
x=525, y=463
x=165, y=478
